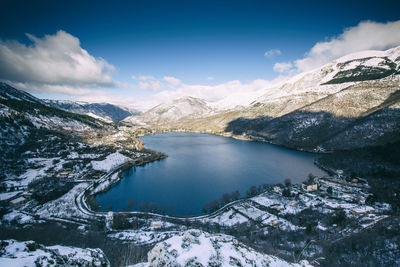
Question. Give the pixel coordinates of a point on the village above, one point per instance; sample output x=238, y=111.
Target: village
x=320, y=209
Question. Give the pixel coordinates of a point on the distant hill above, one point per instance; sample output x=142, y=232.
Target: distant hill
x=172, y=111
x=103, y=111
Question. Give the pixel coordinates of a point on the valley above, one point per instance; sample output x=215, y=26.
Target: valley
x=58, y=156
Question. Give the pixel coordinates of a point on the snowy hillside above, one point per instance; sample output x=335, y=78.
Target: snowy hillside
x=29, y=253
x=23, y=116
x=27, y=125
x=182, y=108
x=198, y=248
x=329, y=107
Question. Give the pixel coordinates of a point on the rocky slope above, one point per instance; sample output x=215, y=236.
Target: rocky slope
x=103, y=111
x=348, y=103
x=198, y=248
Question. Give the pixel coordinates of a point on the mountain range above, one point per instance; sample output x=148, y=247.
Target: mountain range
x=348, y=103
x=351, y=102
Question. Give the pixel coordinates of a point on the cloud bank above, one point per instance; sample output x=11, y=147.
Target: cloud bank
x=54, y=60
x=239, y=93
x=283, y=66
x=57, y=64
x=367, y=35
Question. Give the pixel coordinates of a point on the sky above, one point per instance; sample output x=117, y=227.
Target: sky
x=141, y=53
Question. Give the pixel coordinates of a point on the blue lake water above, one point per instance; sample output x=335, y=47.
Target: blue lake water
x=201, y=168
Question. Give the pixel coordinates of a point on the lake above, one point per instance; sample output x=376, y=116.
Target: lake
x=201, y=168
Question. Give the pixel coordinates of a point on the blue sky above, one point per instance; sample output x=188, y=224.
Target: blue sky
x=197, y=42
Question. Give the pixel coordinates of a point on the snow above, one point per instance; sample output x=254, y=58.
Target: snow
x=33, y=174
x=110, y=162
x=64, y=206
x=20, y=254
x=174, y=110
x=198, y=248
x=98, y=117
x=5, y=196
x=74, y=253
x=104, y=185
x=362, y=54
x=229, y=218
x=16, y=254
x=18, y=217
x=237, y=99
x=142, y=237
x=57, y=122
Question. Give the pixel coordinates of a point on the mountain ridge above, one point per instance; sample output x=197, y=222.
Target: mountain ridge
x=104, y=111
x=342, y=95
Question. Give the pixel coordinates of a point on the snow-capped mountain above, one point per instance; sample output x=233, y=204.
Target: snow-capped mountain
x=179, y=109
x=103, y=111
x=350, y=102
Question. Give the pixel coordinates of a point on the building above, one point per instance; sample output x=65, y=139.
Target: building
x=64, y=174
x=362, y=210
x=309, y=187
x=155, y=224
x=18, y=201
x=339, y=173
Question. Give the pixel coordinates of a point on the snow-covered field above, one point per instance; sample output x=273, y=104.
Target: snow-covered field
x=110, y=162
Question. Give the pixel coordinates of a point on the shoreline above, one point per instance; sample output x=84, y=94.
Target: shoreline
x=248, y=138
x=119, y=169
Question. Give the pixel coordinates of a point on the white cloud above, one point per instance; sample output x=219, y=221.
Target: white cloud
x=367, y=35
x=272, y=53
x=172, y=80
x=146, y=78
x=283, y=66
x=209, y=78
x=54, y=60
x=53, y=89
x=150, y=85
x=212, y=93
x=133, y=77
